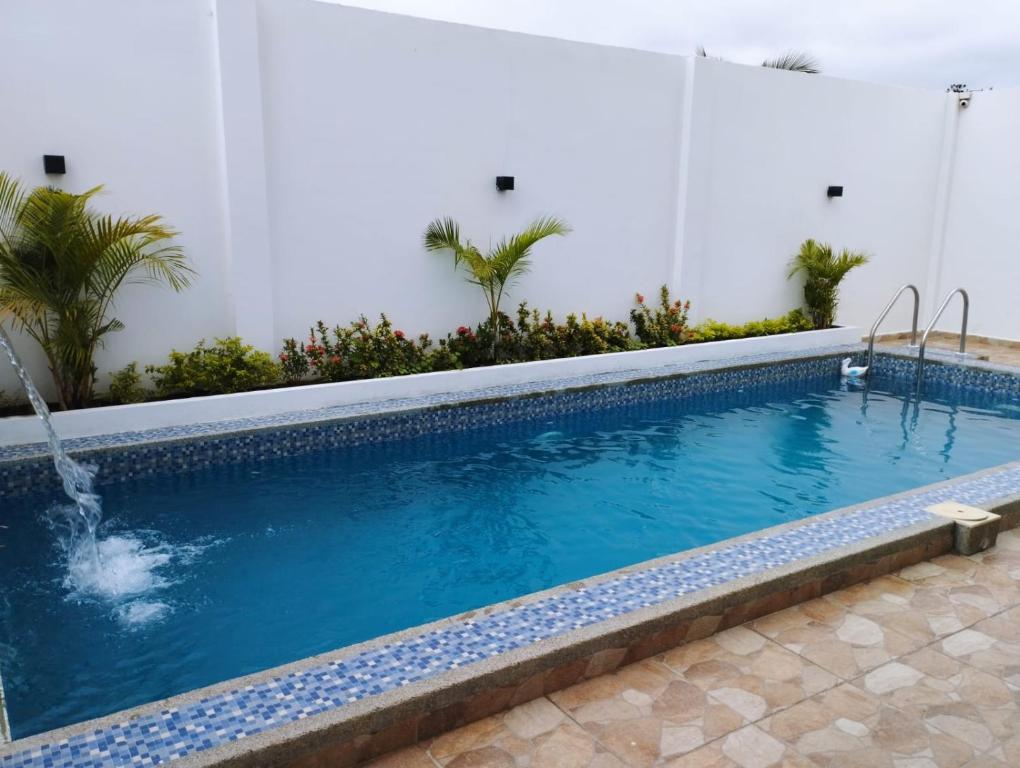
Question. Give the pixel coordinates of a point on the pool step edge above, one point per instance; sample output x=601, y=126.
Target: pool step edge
x=5, y=723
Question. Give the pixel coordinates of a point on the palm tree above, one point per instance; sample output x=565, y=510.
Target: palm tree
x=496, y=270
x=61, y=264
x=794, y=61
x=823, y=271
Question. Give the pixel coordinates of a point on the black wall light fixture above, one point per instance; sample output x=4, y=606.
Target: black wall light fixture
x=504, y=183
x=834, y=191
x=54, y=164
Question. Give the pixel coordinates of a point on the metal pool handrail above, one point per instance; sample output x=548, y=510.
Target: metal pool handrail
x=881, y=317
x=931, y=325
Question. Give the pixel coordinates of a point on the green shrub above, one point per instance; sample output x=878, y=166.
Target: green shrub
x=227, y=366
x=712, y=330
x=663, y=326
x=126, y=385
x=62, y=265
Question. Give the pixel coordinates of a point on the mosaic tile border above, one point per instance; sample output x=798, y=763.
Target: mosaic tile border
x=264, y=439
x=173, y=733
x=27, y=469
x=503, y=391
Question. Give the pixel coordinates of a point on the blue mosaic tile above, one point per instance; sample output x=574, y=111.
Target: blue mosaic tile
x=118, y=457
x=170, y=734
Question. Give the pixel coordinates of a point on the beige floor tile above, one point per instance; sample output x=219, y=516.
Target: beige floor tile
x=750, y=747
x=1005, y=555
x=536, y=734
x=938, y=692
x=835, y=638
x=412, y=757
x=847, y=727
x=983, y=579
x=645, y=714
x=992, y=645
x=988, y=761
x=924, y=613
x=747, y=672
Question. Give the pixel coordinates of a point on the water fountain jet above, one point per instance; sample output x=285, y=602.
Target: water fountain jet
x=76, y=478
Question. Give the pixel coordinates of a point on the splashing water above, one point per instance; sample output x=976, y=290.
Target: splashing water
x=114, y=568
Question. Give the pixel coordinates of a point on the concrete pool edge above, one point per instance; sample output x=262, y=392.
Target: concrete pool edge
x=185, y=432
x=267, y=404
x=378, y=723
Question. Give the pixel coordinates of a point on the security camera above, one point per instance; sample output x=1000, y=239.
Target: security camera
x=964, y=100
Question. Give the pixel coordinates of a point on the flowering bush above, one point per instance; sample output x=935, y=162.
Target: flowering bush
x=540, y=338
x=471, y=347
x=663, y=326
x=355, y=351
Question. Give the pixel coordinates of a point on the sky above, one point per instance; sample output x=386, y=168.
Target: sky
x=920, y=43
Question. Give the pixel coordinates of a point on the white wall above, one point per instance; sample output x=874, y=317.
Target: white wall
x=376, y=124
x=302, y=147
x=982, y=239
x=766, y=145
x=127, y=91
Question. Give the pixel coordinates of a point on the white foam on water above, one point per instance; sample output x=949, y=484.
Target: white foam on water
x=125, y=567
x=140, y=613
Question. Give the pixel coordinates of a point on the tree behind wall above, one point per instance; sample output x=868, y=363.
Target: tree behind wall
x=61, y=264
x=792, y=61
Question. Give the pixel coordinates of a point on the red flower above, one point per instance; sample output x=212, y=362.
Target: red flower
x=283, y=357
x=676, y=328
x=335, y=359
x=463, y=331
x=640, y=299
x=399, y=334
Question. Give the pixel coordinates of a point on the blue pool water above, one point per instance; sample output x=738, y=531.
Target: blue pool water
x=227, y=571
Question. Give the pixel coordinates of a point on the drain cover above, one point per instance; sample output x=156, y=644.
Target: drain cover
x=961, y=512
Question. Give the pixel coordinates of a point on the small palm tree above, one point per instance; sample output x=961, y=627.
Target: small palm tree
x=496, y=270
x=823, y=271
x=61, y=264
x=793, y=61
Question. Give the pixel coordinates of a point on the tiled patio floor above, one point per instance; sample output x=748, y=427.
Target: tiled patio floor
x=1002, y=352
x=920, y=669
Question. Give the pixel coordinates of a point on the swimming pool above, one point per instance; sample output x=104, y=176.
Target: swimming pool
x=243, y=565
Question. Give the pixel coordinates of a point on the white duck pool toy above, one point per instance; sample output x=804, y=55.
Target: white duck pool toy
x=853, y=371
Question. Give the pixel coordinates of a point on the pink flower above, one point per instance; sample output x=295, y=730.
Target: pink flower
x=399, y=334
x=640, y=299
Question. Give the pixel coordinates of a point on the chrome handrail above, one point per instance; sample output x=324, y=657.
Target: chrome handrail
x=931, y=325
x=881, y=317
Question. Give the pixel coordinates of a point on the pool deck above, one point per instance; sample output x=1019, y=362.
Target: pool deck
x=944, y=345
x=918, y=669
